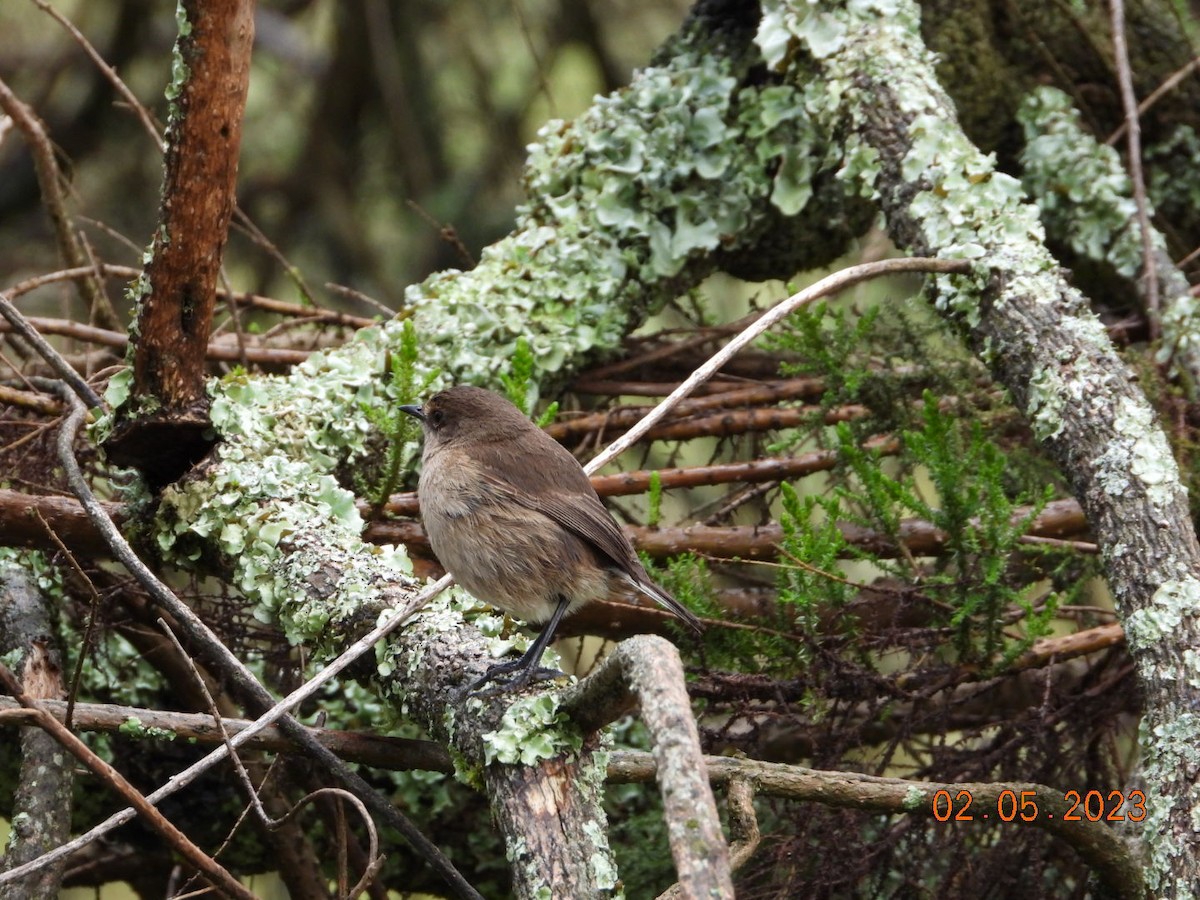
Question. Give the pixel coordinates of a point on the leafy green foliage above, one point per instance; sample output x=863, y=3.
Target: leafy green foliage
x=519, y=385
x=979, y=588
x=402, y=385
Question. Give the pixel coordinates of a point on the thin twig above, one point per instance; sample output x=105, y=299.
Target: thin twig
x=114, y=79
x=50, y=181
x=61, y=367
x=252, y=793
x=1168, y=85
x=1134, y=143
x=85, y=645
x=823, y=288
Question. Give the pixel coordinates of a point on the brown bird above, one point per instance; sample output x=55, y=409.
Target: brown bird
x=513, y=517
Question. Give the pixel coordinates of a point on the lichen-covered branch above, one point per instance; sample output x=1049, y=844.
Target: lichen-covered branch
x=41, y=812
x=542, y=775
x=1085, y=198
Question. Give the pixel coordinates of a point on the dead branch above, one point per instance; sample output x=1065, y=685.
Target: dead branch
x=50, y=180
x=647, y=671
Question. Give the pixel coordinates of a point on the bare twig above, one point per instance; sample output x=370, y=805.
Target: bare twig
x=1134, y=143
x=91, y=291
x=61, y=367
x=1168, y=85
x=823, y=288
x=114, y=79
x=365, y=747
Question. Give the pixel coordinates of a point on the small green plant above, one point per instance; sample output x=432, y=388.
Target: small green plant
x=952, y=477
x=518, y=384
x=402, y=385
x=654, y=500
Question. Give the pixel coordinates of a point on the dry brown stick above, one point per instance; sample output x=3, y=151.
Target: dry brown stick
x=119, y=340
x=216, y=874
x=1060, y=519
x=38, y=403
x=364, y=747
x=771, y=469
x=739, y=398
x=269, y=304
x=1048, y=650
x=778, y=468
x=91, y=291
x=585, y=384
x=60, y=366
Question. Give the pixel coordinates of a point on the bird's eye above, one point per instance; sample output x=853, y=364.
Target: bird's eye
x=436, y=417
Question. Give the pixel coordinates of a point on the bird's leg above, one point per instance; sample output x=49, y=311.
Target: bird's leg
x=526, y=668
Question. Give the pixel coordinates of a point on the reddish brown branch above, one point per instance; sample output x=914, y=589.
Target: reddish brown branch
x=203, y=140
x=740, y=399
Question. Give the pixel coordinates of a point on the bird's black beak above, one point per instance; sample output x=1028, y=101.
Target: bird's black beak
x=415, y=411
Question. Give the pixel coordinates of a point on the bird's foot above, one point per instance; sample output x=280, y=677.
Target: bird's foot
x=510, y=676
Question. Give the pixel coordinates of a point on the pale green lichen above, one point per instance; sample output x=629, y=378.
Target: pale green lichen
x=914, y=798
x=1084, y=193
x=1169, y=748
x=1086, y=199
x=966, y=208
x=601, y=865
x=1151, y=459
x=272, y=507
x=180, y=72
x=531, y=730
x=645, y=181
x=135, y=728
x=441, y=615
x=1160, y=619
x=1045, y=403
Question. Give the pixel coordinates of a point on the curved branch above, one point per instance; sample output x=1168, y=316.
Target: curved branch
x=647, y=671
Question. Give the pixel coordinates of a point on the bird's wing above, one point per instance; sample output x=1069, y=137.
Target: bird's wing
x=574, y=505
x=558, y=488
